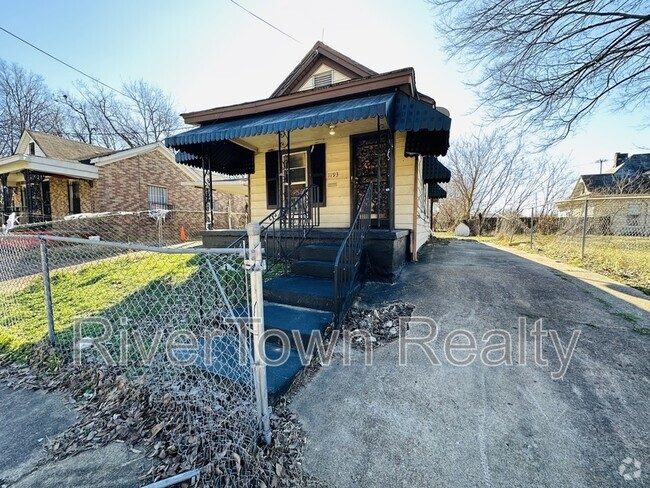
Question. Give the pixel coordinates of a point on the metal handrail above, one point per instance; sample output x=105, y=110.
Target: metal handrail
x=285, y=229
x=348, y=258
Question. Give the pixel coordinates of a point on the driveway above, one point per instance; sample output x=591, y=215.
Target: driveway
x=515, y=426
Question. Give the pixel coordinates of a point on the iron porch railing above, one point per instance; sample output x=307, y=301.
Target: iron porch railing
x=284, y=230
x=348, y=259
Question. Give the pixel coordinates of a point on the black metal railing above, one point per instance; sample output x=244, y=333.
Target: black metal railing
x=348, y=259
x=284, y=230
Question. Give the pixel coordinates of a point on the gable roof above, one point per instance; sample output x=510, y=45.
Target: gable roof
x=321, y=53
x=624, y=184
x=55, y=147
x=403, y=79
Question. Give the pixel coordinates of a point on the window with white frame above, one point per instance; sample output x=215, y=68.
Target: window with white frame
x=297, y=172
x=157, y=198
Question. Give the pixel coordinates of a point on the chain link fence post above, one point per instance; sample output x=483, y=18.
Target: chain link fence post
x=45, y=268
x=585, y=223
x=255, y=267
x=532, y=228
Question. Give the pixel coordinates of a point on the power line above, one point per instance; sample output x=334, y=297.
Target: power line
x=65, y=64
x=267, y=23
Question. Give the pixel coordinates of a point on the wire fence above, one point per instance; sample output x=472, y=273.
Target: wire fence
x=609, y=233
x=133, y=292
x=152, y=227
x=584, y=225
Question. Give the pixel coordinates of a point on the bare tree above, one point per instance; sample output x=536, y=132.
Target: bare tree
x=549, y=63
x=492, y=174
x=97, y=114
x=486, y=169
x=152, y=114
x=25, y=103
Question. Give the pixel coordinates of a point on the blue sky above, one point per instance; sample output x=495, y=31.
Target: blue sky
x=209, y=53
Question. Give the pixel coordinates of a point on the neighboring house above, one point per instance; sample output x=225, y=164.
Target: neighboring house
x=49, y=178
x=339, y=126
x=618, y=199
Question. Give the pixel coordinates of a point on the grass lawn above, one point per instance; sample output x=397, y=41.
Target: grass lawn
x=140, y=286
x=626, y=259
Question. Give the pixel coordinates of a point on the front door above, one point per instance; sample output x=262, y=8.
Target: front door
x=370, y=166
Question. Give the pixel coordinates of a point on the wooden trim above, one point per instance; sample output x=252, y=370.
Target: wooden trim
x=295, y=87
x=414, y=233
x=400, y=78
x=319, y=51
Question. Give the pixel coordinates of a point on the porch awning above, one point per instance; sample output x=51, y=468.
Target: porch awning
x=433, y=171
x=329, y=113
x=436, y=191
x=402, y=113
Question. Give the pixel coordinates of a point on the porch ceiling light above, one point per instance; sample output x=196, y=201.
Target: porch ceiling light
x=332, y=131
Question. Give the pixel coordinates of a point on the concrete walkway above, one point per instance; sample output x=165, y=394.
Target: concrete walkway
x=29, y=419
x=510, y=426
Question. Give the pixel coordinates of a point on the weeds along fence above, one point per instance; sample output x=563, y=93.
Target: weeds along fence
x=611, y=232
x=172, y=316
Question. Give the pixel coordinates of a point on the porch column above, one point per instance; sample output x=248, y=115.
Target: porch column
x=208, y=209
x=284, y=147
x=28, y=195
x=4, y=178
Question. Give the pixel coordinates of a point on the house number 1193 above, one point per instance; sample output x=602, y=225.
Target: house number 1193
x=333, y=174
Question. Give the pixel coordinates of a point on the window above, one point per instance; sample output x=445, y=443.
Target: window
x=158, y=198
x=297, y=172
x=633, y=214
x=74, y=197
x=323, y=79
x=634, y=220
x=32, y=148
x=306, y=167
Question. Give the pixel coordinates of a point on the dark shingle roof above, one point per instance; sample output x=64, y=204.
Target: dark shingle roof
x=618, y=184
x=59, y=148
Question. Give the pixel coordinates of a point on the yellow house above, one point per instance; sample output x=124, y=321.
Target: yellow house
x=339, y=128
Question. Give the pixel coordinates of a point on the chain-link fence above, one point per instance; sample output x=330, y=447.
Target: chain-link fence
x=611, y=233
x=154, y=227
x=174, y=317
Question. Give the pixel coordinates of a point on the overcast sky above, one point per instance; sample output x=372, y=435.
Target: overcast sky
x=208, y=53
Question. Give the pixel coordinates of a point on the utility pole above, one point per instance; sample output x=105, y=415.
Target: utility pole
x=600, y=161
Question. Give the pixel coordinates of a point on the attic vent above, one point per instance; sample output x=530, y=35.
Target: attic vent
x=323, y=79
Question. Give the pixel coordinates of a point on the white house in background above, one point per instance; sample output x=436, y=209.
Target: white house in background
x=618, y=199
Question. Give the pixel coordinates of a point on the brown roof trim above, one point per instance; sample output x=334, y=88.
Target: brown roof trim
x=358, y=86
x=310, y=59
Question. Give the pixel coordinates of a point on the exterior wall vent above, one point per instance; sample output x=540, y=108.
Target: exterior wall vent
x=323, y=79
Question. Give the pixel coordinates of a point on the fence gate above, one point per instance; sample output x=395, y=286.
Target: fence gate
x=175, y=318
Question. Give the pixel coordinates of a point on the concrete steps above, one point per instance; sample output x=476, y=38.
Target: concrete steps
x=293, y=321
x=298, y=305
x=301, y=291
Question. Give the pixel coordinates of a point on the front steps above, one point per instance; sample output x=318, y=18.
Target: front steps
x=304, y=302
x=299, y=305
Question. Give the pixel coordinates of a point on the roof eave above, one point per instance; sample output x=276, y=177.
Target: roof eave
x=393, y=79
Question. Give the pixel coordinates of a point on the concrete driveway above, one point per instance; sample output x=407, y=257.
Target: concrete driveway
x=424, y=425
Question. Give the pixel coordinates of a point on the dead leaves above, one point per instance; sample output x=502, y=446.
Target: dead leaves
x=381, y=323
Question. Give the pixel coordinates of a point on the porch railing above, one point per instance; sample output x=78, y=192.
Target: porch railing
x=348, y=259
x=284, y=230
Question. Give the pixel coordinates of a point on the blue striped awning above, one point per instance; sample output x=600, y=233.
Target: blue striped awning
x=415, y=115
x=300, y=118
x=427, y=129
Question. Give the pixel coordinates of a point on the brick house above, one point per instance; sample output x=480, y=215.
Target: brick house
x=51, y=178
